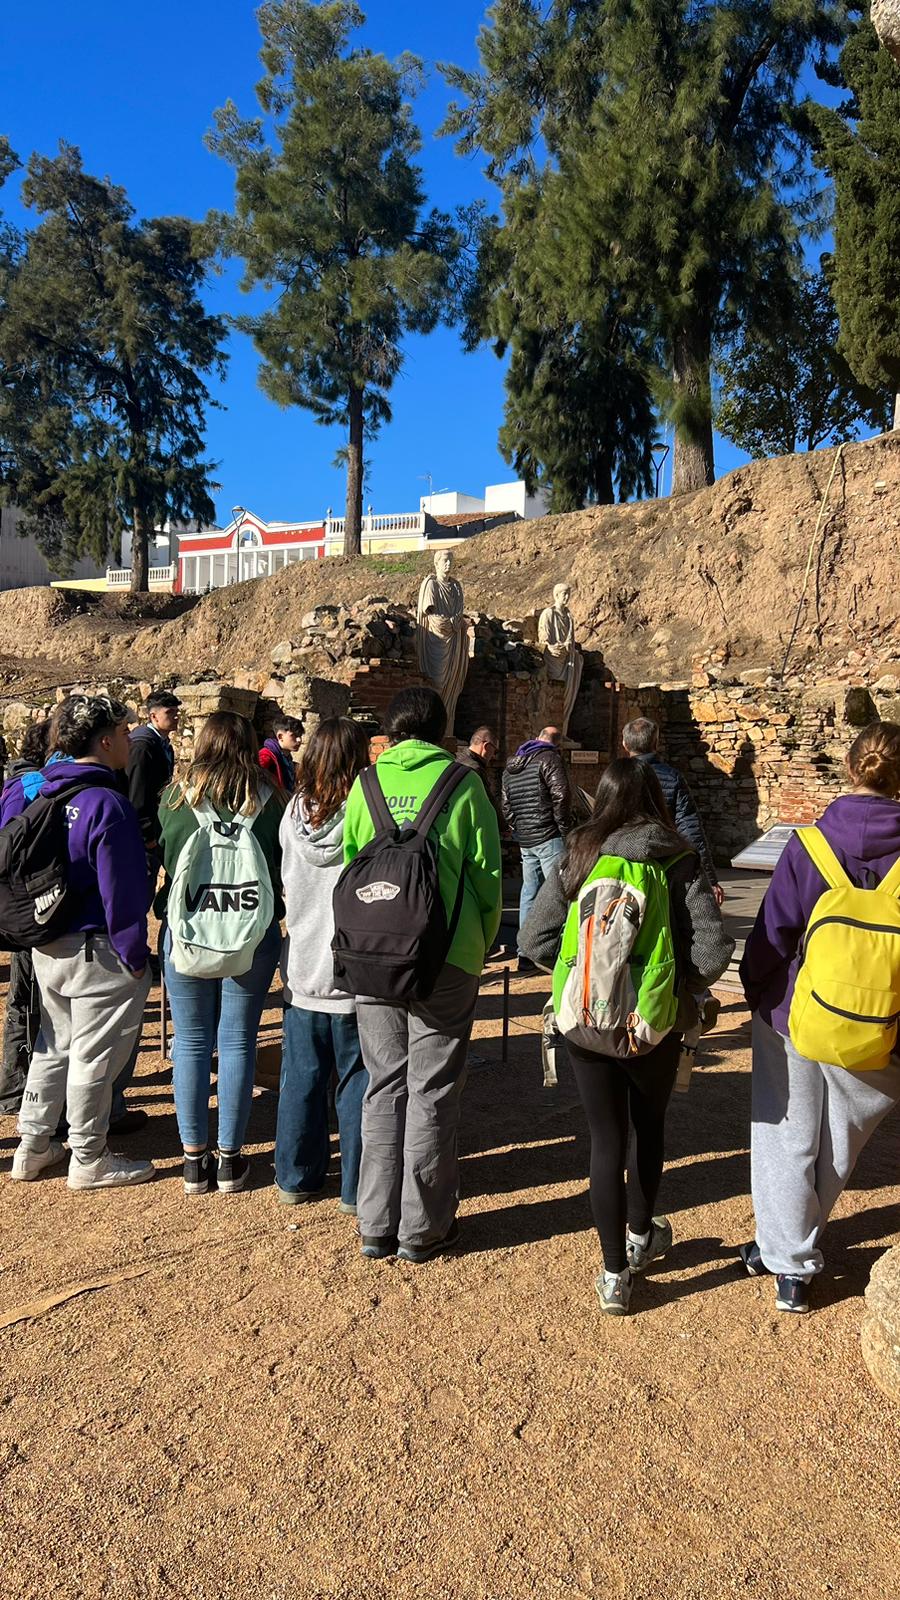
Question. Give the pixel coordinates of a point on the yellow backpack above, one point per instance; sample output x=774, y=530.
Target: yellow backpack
x=846, y=1003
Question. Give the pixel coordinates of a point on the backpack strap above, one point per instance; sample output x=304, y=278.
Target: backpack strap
x=823, y=857
x=890, y=883
x=373, y=794
x=435, y=801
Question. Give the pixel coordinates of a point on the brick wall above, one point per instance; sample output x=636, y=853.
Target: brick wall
x=753, y=755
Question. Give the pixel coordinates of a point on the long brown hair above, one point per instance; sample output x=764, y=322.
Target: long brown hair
x=335, y=756
x=225, y=767
x=628, y=795
x=874, y=759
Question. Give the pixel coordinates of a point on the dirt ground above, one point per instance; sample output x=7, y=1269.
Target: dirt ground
x=253, y=1410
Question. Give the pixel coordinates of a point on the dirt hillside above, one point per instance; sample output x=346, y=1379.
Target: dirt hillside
x=653, y=584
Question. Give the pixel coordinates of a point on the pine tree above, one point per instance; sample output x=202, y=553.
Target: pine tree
x=331, y=214
x=104, y=327
x=673, y=176
x=859, y=145
x=791, y=388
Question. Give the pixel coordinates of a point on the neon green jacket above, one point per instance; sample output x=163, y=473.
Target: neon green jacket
x=467, y=834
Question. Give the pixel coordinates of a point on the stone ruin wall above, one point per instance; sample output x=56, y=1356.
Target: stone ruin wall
x=753, y=752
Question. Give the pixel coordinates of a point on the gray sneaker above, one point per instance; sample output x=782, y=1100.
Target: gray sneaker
x=614, y=1291
x=641, y=1255
x=108, y=1172
x=29, y=1164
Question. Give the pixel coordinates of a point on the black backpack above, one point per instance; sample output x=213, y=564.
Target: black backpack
x=391, y=934
x=35, y=904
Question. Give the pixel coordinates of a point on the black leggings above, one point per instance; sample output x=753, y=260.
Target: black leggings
x=620, y=1096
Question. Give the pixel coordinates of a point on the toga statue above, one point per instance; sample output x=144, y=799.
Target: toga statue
x=562, y=657
x=442, y=633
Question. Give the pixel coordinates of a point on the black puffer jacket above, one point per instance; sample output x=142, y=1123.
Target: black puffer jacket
x=537, y=798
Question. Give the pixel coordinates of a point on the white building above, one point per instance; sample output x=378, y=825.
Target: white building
x=497, y=498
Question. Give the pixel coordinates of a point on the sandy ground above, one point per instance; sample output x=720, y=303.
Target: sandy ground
x=258, y=1411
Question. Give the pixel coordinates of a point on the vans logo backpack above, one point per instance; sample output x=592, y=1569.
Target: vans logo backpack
x=377, y=891
x=614, y=984
x=35, y=905
x=221, y=902
x=391, y=931
x=846, y=1003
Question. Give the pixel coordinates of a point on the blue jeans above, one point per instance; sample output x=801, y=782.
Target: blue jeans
x=223, y=1013
x=537, y=859
x=315, y=1044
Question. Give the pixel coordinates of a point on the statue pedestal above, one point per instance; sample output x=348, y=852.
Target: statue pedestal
x=881, y=1327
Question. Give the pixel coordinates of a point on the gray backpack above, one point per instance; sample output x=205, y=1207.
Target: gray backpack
x=220, y=902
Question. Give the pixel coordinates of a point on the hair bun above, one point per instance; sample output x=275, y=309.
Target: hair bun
x=874, y=759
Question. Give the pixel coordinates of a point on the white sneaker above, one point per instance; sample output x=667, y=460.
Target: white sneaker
x=108, y=1172
x=29, y=1164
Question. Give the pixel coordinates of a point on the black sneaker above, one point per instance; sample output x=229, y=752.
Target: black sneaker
x=425, y=1252
x=378, y=1246
x=791, y=1294
x=199, y=1173
x=129, y=1122
x=526, y=968
x=232, y=1172
x=753, y=1261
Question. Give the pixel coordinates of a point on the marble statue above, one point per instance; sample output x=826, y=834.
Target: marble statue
x=442, y=633
x=562, y=657
x=886, y=17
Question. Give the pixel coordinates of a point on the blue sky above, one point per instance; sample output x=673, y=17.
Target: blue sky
x=134, y=87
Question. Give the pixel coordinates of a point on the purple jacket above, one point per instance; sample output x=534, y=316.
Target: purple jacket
x=108, y=864
x=864, y=833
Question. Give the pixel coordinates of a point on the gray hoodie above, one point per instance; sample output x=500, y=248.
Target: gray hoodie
x=703, y=948
x=312, y=860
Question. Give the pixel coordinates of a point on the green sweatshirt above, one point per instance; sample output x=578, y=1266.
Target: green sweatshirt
x=466, y=832
x=176, y=828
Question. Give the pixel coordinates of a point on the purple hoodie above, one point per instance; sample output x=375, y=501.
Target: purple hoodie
x=864, y=833
x=108, y=864
x=532, y=746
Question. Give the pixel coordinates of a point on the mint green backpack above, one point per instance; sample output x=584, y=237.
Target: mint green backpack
x=220, y=903
x=614, y=979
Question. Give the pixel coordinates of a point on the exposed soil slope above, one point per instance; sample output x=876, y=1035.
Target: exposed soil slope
x=654, y=584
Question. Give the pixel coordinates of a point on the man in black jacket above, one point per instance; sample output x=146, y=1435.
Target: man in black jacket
x=641, y=740
x=151, y=762
x=537, y=804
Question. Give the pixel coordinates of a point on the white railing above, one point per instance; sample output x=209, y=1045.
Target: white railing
x=389, y=522
x=158, y=577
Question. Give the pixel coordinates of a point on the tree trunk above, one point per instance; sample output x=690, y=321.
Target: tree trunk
x=353, y=523
x=140, y=553
x=896, y=412
x=693, y=466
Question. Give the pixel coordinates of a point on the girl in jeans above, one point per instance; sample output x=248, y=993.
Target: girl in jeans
x=625, y=1098
x=320, y=1034
x=810, y=1120
x=220, y=1013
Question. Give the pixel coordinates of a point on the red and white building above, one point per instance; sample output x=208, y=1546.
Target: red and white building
x=247, y=548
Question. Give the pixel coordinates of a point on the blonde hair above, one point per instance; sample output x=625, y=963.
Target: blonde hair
x=225, y=769
x=874, y=759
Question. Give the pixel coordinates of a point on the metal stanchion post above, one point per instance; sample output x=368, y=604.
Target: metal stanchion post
x=504, y=1051
x=163, y=1018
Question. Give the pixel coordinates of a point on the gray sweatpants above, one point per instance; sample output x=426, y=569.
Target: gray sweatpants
x=91, y=1011
x=417, y=1062
x=810, y=1123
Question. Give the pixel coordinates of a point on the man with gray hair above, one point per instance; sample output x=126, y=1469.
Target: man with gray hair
x=641, y=740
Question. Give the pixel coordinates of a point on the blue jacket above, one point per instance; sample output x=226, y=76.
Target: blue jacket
x=681, y=804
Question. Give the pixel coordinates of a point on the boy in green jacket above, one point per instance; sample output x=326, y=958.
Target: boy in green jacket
x=416, y=1054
